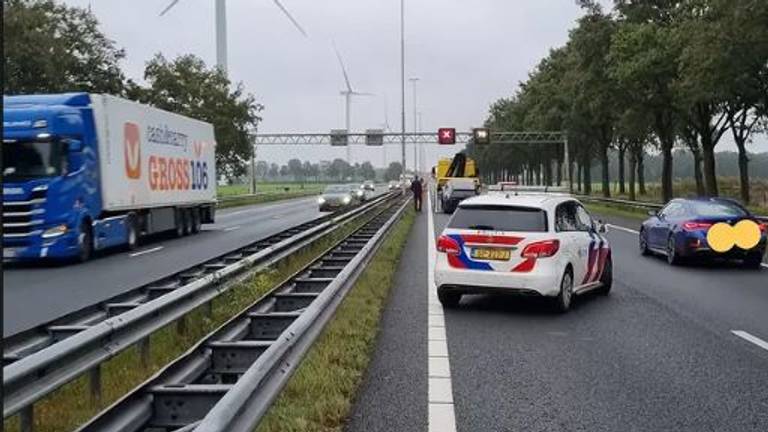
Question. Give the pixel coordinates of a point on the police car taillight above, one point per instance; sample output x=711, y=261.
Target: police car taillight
x=448, y=245
x=542, y=249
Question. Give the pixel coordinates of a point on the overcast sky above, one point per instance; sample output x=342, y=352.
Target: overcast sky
x=466, y=54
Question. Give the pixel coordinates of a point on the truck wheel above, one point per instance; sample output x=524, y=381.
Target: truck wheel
x=84, y=243
x=196, y=221
x=187, y=218
x=180, y=223
x=132, y=227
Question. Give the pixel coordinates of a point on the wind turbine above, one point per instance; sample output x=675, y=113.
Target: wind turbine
x=348, y=93
x=221, y=28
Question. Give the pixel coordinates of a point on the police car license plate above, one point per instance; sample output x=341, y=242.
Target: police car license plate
x=493, y=254
x=9, y=253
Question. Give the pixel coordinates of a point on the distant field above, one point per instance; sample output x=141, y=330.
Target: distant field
x=271, y=188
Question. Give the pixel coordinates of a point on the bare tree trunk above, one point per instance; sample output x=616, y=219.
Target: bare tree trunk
x=708, y=156
x=632, y=172
x=641, y=171
x=587, y=170
x=606, y=175
x=579, y=177
x=622, y=150
x=743, y=172
x=697, y=171
x=559, y=173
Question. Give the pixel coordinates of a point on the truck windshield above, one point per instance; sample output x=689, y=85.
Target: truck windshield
x=32, y=159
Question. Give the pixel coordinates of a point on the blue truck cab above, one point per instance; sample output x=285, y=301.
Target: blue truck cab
x=50, y=178
x=52, y=197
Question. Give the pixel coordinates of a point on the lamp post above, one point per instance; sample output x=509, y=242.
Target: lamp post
x=402, y=86
x=413, y=81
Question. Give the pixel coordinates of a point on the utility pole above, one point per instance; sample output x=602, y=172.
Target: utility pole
x=221, y=35
x=402, y=83
x=413, y=81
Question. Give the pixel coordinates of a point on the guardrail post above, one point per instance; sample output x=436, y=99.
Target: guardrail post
x=144, y=352
x=94, y=378
x=209, y=309
x=27, y=419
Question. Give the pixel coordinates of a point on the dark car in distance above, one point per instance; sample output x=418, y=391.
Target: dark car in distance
x=679, y=231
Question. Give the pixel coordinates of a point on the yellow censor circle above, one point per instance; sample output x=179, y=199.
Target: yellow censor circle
x=720, y=237
x=746, y=234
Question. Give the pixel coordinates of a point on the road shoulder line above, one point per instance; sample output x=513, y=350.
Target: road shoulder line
x=751, y=338
x=441, y=414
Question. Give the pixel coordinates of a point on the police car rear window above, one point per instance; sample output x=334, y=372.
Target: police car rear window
x=499, y=218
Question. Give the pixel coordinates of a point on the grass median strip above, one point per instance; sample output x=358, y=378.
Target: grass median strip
x=320, y=394
x=634, y=214
x=70, y=406
x=260, y=199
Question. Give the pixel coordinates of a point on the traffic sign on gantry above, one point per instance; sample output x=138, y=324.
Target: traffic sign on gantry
x=374, y=137
x=446, y=136
x=339, y=137
x=481, y=136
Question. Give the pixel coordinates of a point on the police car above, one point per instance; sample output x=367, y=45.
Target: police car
x=531, y=244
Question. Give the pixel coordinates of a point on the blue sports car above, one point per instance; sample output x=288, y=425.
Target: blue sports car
x=679, y=230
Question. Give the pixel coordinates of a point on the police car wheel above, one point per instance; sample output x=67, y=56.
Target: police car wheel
x=448, y=299
x=565, y=296
x=606, y=279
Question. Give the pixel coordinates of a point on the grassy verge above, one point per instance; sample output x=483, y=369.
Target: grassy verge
x=320, y=395
x=618, y=211
x=258, y=199
x=728, y=187
x=70, y=406
x=267, y=188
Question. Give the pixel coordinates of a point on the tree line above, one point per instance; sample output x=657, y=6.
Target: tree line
x=644, y=77
x=56, y=48
x=336, y=170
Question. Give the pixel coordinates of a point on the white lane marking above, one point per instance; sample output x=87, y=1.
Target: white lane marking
x=621, y=228
x=441, y=414
x=750, y=338
x=232, y=228
x=146, y=251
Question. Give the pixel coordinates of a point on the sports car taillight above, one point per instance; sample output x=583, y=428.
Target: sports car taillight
x=696, y=226
x=763, y=227
x=448, y=245
x=542, y=249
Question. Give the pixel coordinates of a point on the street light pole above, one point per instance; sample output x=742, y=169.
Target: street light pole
x=413, y=81
x=402, y=85
x=221, y=35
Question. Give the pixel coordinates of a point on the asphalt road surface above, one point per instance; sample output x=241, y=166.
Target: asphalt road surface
x=33, y=295
x=670, y=349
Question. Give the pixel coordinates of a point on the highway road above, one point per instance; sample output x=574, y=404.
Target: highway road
x=36, y=294
x=670, y=349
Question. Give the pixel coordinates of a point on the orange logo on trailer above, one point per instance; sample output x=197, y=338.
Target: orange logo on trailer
x=132, y=148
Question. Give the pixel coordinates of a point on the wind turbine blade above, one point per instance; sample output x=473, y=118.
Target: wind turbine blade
x=363, y=94
x=343, y=69
x=167, y=8
x=290, y=17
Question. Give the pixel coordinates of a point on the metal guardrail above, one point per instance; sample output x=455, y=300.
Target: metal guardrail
x=227, y=382
x=638, y=204
x=49, y=364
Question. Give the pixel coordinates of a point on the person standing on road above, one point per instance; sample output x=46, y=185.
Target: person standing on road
x=416, y=188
